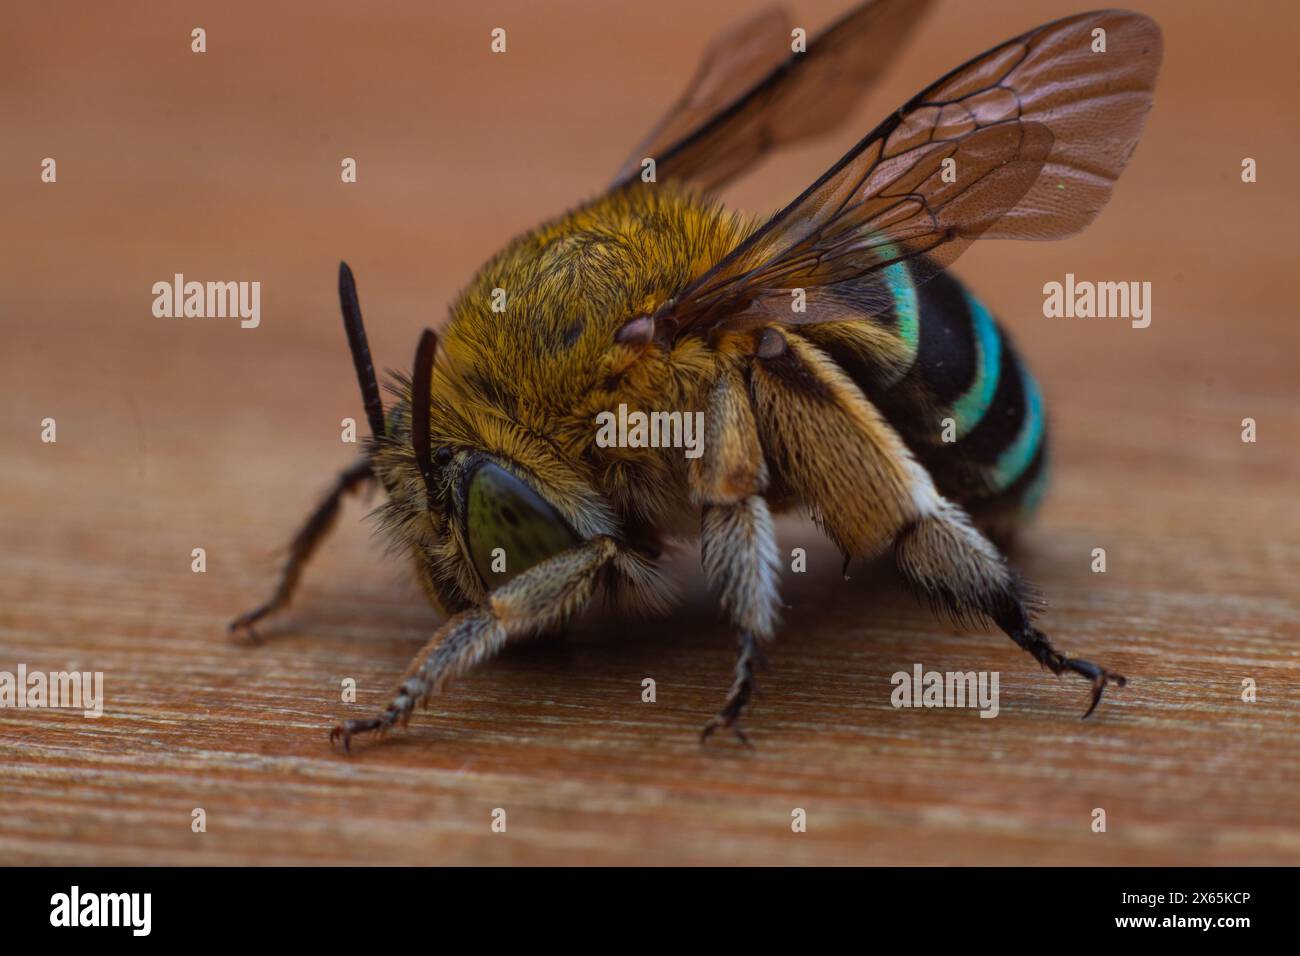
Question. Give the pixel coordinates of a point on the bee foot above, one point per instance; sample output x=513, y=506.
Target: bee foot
x=729, y=716
x=1036, y=642
x=347, y=728
x=1100, y=678
x=743, y=688
x=722, y=720
x=244, y=625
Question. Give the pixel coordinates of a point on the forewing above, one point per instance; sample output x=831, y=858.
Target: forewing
x=1037, y=129
x=752, y=93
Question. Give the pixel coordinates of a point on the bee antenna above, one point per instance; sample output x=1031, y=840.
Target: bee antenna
x=420, y=384
x=356, y=330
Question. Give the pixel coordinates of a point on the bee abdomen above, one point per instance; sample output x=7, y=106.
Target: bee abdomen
x=956, y=391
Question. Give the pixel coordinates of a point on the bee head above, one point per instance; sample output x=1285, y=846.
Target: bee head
x=499, y=521
x=497, y=499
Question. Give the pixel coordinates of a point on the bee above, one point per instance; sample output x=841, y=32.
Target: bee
x=840, y=369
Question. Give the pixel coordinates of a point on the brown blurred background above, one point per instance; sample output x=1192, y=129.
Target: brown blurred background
x=184, y=433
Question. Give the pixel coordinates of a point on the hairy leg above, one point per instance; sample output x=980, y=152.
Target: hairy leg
x=740, y=562
x=862, y=485
x=304, y=544
x=833, y=448
x=962, y=574
x=545, y=595
x=737, y=543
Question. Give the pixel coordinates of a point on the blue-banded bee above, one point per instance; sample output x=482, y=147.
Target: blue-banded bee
x=653, y=296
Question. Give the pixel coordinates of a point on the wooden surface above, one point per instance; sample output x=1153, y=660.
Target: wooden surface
x=176, y=434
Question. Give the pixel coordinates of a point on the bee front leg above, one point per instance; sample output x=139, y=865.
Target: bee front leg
x=304, y=544
x=545, y=595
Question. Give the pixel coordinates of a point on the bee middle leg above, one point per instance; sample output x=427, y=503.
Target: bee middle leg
x=737, y=541
x=739, y=551
x=304, y=544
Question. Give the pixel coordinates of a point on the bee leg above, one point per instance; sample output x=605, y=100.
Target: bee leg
x=304, y=544
x=836, y=451
x=543, y=596
x=961, y=572
x=738, y=546
x=1036, y=643
x=737, y=542
x=742, y=688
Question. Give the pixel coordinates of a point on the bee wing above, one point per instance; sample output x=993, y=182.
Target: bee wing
x=751, y=92
x=1037, y=129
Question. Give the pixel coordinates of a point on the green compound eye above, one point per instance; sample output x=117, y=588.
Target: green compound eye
x=510, y=527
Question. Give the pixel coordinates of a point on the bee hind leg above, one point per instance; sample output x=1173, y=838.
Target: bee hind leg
x=303, y=546
x=1036, y=643
x=545, y=595
x=963, y=575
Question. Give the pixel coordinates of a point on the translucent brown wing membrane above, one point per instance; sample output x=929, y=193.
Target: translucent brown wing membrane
x=752, y=92
x=1038, y=129
x=872, y=212
x=731, y=66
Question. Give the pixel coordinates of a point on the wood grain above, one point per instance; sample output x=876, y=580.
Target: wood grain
x=176, y=434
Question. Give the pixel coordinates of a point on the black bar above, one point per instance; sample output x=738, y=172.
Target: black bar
x=974, y=908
